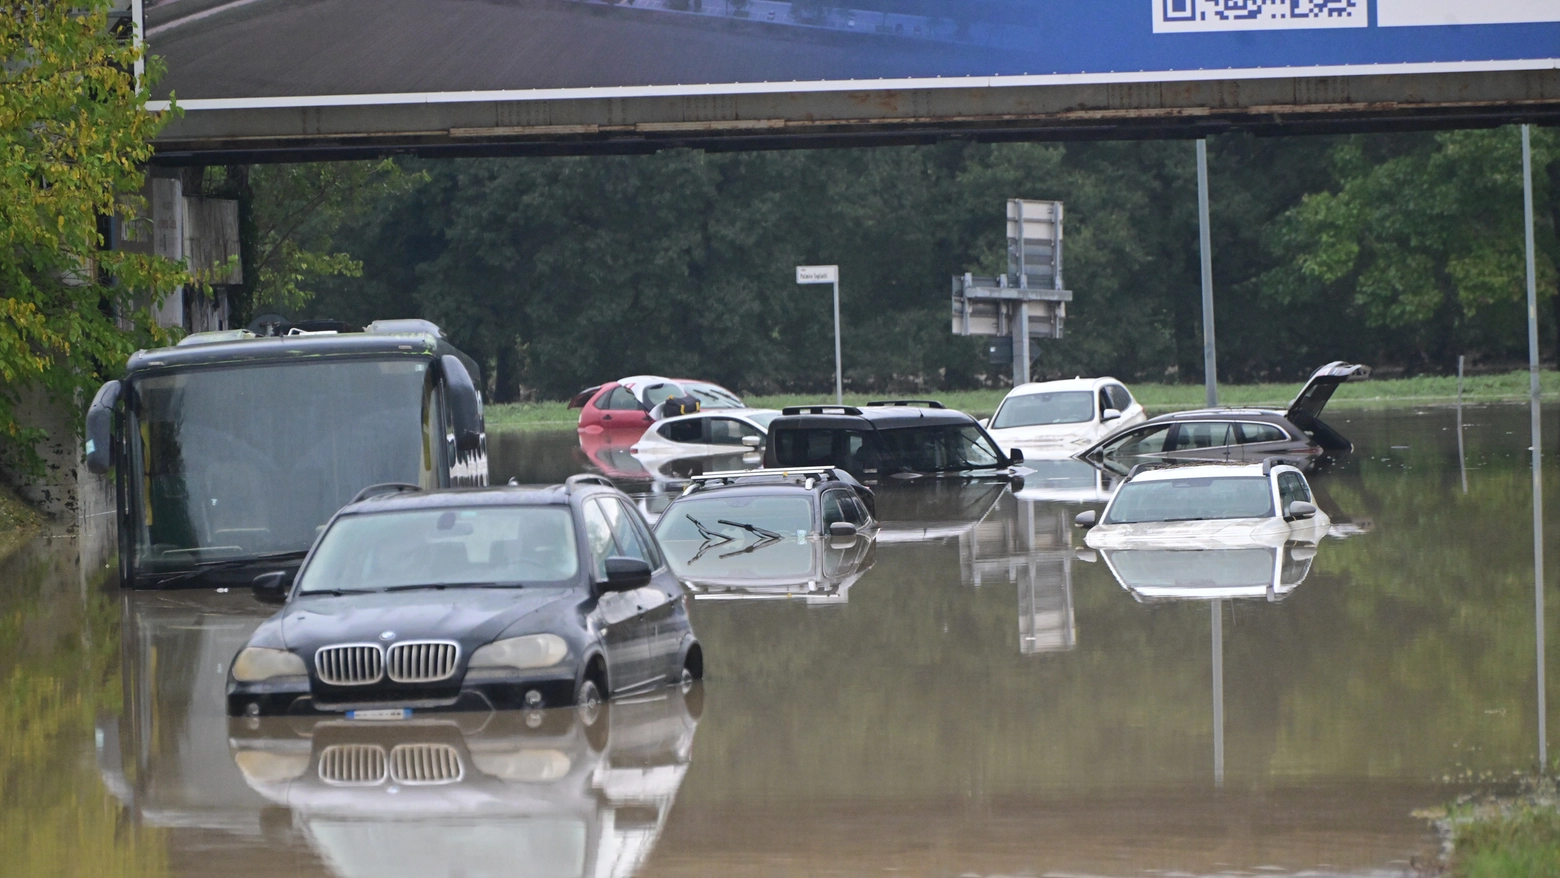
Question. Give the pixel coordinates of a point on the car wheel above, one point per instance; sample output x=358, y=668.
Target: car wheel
x=590, y=709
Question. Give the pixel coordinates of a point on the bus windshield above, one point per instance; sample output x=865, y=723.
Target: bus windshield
x=241, y=461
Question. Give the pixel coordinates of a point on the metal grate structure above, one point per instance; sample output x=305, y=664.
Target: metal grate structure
x=352, y=664
x=423, y=661
x=414, y=764
x=353, y=764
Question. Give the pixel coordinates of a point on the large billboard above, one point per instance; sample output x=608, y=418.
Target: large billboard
x=271, y=54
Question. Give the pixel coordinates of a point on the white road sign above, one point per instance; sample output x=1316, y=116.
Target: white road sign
x=817, y=274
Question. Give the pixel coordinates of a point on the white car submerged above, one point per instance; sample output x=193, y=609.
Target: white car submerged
x=1059, y=418
x=705, y=433
x=1208, y=507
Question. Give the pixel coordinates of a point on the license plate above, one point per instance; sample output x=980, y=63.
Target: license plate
x=382, y=714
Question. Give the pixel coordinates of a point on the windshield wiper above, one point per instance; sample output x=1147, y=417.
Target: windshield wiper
x=757, y=544
x=751, y=528
x=709, y=535
x=440, y=586
x=201, y=568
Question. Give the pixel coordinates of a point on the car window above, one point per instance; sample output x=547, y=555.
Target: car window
x=1150, y=440
x=691, y=430
x=804, y=447
x=836, y=507
x=1294, y=569
x=1120, y=399
x=1204, y=434
x=1192, y=499
x=1041, y=409
x=1249, y=433
x=620, y=399
x=631, y=542
x=598, y=536
x=729, y=431
x=945, y=448
x=1292, y=489
x=1105, y=402
x=482, y=545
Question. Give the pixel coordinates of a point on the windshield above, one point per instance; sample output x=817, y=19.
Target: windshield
x=1213, y=568
x=242, y=461
x=701, y=518
x=1192, y=499
x=1044, y=409
x=712, y=396
x=941, y=449
x=485, y=545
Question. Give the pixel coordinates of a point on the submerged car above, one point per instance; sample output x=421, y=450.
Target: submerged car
x=1297, y=435
x=722, y=431
x=470, y=600
x=1267, y=504
x=805, y=533
x=888, y=439
x=631, y=403
x=1059, y=417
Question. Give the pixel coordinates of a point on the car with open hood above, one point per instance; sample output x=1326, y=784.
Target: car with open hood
x=473, y=599
x=1057, y=418
x=1297, y=434
x=1208, y=505
x=805, y=533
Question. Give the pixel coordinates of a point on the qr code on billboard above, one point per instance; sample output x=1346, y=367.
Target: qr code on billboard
x=1212, y=15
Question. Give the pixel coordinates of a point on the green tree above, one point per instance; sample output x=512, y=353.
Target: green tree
x=74, y=133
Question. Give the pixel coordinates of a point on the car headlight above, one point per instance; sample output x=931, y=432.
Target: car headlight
x=258, y=663
x=531, y=651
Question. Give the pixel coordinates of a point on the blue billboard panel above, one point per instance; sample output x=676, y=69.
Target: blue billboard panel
x=251, y=53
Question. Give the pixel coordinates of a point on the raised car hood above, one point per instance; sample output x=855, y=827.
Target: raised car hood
x=1306, y=408
x=455, y=614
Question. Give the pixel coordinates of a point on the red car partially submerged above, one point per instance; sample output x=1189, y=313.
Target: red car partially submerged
x=628, y=404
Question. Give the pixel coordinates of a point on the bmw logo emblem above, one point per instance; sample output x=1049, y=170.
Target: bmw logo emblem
x=388, y=635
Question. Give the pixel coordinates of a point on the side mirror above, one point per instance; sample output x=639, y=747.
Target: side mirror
x=1087, y=518
x=100, y=428
x=842, y=529
x=752, y=441
x=1015, y=456
x=1301, y=510
x=272, y=588
x=465, y=403
x=1110, y=415
x=1088, y=556
x=626, y=574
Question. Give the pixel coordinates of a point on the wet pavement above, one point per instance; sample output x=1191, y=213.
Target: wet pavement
x=981, y=700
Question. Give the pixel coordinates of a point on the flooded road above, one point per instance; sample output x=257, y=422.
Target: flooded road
x=982, y=700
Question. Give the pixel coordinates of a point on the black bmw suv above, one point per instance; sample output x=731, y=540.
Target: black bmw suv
x=470, y=600
x=901, y=438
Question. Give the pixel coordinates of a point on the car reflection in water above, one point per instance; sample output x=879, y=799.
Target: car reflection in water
x=559, y=792
x=1270, y=572
x=938, y=509
x=817, y=569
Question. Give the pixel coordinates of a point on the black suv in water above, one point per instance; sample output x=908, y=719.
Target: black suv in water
x=901, y=438
x=470, y=600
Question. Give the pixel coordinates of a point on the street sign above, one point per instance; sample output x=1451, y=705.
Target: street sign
x=817, y=274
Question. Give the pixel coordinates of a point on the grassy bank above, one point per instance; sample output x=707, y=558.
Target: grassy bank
x=1158, y=398
x=1503, y=837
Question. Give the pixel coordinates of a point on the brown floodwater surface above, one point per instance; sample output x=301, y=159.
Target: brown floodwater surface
x=983, y=700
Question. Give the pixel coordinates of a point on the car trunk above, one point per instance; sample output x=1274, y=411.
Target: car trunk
x=1306, y=409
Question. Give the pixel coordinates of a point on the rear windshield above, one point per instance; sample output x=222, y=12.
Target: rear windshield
x=506, y=545
x=1045, y=409
x=1192, y=499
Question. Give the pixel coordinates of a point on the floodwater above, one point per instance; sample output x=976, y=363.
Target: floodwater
x=981, y=701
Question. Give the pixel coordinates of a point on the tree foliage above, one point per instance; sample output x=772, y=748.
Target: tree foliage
x=74, y=133
x=1392, y=250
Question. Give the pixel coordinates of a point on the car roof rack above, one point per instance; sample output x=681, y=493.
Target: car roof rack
x=820, y=410
x=383, y=488
x=586, y=480
x=920, y=403
x=728, y=477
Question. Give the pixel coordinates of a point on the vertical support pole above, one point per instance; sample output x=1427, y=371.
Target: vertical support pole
x=839, y=374
x=1210, y=360
x=1462, y=455
x=1537, y=439
x=1021, y=345
x=1218, y=694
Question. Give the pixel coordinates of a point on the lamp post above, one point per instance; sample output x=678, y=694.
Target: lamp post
x=828, y=274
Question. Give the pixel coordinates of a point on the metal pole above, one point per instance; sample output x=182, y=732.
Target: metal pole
x=1210, y=361
x=1218, y=694
x=1021, y=345
x=1537, y=438
x=1462, y=455
x=839, y=375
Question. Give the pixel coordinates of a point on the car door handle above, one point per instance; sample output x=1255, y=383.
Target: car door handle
x=606, y=417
